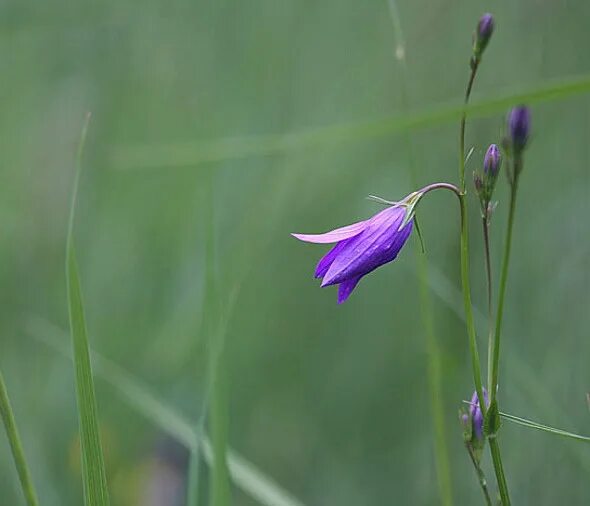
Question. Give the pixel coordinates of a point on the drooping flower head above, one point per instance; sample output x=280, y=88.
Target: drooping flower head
x=362, y=247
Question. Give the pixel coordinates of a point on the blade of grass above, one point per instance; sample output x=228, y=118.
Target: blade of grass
x=214, y=402
x=217, y=343
x=93, y=470
x=220, y=491
x=218, y=427
x=441, y=453
x=193, y=494
x=16, y=446
x=195, y=153
x=546, y=428
x=244, y=474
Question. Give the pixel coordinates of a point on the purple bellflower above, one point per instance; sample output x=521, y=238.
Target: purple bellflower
x=362, y=247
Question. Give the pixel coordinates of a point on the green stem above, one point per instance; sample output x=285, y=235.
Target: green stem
x=503, y=282
x=465, y=283
x=15, y=445
x=499, y=470
x=481, y=477
x=494, y=448
x=474, y=67
x=488, y=262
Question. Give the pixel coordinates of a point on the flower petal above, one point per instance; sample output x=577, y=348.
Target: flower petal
x=346, y=287
x=379, y=243
x=336, y=235
x=328, y=258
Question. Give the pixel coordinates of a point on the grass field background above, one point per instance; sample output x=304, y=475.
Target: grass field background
x=218, y=128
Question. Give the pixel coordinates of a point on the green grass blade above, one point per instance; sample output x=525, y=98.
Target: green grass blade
x=218, y=387
x=546, y=428
x=93, y=470
x=193, y=480
x=244, y=474
x=435, y=362
x=218, y=428
x=16, y=447
x=195, y=153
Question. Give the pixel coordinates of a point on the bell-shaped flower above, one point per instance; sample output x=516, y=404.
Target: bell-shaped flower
x=362, y=247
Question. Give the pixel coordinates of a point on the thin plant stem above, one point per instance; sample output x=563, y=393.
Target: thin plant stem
x=466, y=288
x=488, y=262
x=499, y=470
x=503, y=282
x=474, y=67
x=494, y=447
x=16, y=447
x=465, y=283
x=434, y=370
x=483, y=483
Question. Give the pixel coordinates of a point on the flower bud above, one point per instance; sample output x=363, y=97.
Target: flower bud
x=476, y=414
x=519, y=125
x=492, y=161
x=486, y=182
x=482, y=35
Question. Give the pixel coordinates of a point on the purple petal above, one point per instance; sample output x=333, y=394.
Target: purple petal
x=336, y=235
x=345, y=289
x=328, y=258
x=378, y=244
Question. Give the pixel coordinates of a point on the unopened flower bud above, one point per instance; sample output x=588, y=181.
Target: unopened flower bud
x=476, y=414
x=519, y=125
x=492, y=161
x=482, y=35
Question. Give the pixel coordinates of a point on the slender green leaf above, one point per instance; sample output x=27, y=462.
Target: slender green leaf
x=435, y=360
x=16, y=446
x=244, y=474
x=93, y=470
x=217, y=381
x=194, y=153
x=193, y=495
x=546, y=428
x=218, y=427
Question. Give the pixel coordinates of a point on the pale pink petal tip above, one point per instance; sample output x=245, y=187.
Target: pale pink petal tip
x=336, y=235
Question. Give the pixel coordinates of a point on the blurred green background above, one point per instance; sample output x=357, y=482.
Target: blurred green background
x=330, y=401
